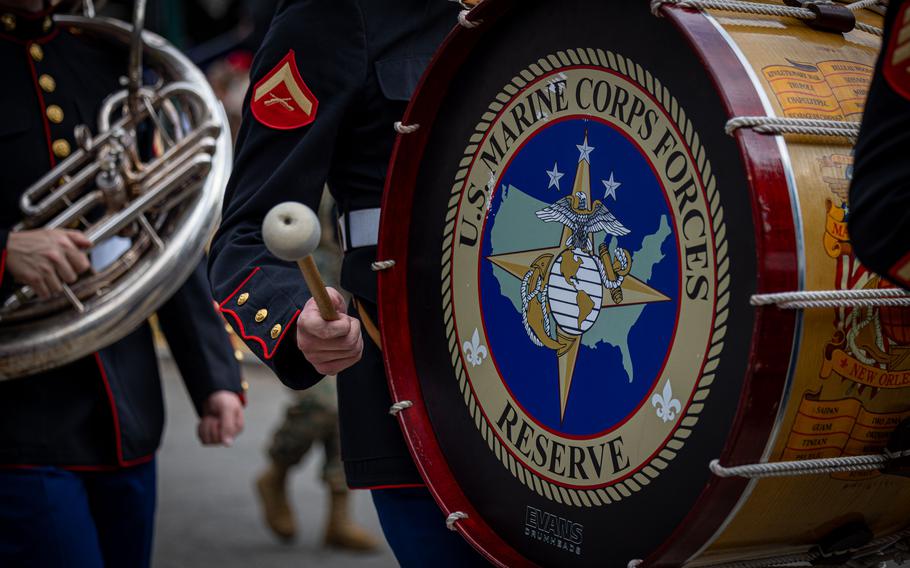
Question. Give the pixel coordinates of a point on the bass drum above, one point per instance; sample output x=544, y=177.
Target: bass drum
x=568, y=324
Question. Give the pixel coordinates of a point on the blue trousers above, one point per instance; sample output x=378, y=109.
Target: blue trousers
x=415, y=528
x=51, y=517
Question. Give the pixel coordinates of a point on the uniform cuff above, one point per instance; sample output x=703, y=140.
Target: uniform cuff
x=262, y=315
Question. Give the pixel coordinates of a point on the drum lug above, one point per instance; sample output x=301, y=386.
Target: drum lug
x=828, y=17
x=840, y=544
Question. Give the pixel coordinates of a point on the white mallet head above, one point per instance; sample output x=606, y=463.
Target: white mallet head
x=291, y=231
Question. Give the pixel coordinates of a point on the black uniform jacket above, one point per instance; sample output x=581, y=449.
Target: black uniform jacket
x=105, y=410
x=358, y=62
x=879, y=220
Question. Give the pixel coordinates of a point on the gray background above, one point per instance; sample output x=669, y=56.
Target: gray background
x=207, y=512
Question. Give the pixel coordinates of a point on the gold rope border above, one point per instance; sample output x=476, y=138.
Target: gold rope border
x=649, y=470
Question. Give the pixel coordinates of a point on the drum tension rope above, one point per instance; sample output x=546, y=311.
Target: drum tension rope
x=406, y=128
x=820, y=15
x=399, y=406
x=883, y=297
x=870, y=462
x=464, y=22
x=453, y=518
x=381, y=265
x=895, y=460
x=806, y=126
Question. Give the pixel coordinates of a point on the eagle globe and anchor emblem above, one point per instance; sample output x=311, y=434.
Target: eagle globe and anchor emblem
x=584, y=315
x=565, y=289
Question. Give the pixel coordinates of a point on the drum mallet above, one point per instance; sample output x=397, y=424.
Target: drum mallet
x=291, y=232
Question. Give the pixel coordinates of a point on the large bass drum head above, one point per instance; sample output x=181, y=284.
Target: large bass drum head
x=569, y=312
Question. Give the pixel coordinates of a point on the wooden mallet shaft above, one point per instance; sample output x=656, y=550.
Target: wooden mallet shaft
x=316, y=285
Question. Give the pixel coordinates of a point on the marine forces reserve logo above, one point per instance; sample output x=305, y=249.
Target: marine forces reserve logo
x=585, y=277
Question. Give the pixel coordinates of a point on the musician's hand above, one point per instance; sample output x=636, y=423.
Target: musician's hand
x=222, y=419
x=46, y=258
x=330, y=346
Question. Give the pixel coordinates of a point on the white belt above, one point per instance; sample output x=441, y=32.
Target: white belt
x=359, y=228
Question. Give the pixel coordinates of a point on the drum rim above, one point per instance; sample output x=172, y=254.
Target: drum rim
x=394, y=309
x=777, y=270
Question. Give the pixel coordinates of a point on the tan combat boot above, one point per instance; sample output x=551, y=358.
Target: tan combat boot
x=341, y=531
x=274, y=499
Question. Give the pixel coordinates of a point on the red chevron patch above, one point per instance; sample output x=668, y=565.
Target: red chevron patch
x=281, y=99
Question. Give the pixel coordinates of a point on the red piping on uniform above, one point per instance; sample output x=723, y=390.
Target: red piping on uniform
x=243, y=335
x=242, y=284
x=22, y=41
x=130, y=463
x=110, y=397
x=381, y=487
x=47, y=125
x=265, y=350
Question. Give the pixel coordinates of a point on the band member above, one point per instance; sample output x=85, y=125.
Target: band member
x=880, y=193
x=327, y=85
x=78, y=443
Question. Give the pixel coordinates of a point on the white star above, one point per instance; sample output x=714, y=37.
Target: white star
x=555, y=176
x=585, y=151
x=611, y=185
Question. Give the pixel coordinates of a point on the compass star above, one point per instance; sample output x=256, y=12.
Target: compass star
x=555, y=176
x=585, y=151
x=611, y=185
x=566, y=344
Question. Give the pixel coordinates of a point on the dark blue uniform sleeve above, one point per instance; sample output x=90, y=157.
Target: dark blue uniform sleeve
x=260, y=295
x=879, y=220
x=196, y=336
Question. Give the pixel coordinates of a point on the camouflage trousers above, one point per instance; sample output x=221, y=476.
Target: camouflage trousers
x=311, y=418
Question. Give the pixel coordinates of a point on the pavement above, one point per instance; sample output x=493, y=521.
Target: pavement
x=208, y=515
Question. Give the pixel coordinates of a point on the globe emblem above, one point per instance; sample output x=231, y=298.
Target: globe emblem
x=564, y=288
x=575, y=291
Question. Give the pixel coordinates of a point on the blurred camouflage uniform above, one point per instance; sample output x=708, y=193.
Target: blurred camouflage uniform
x=313, y=418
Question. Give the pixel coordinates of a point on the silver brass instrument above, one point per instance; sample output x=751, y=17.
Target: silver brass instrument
x=163, y=209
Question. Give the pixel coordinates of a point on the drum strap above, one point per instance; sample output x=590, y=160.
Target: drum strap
x=368, y=325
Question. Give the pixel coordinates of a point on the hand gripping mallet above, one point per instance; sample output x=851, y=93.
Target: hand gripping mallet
x=291, y=232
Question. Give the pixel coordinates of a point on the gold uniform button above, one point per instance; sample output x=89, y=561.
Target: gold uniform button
x=242, y=298
x=8, y=21
x=46, y=24
x=61, y=148
x=261, y=315
x=47, y=83
x=276, y=331
x=55, y=114
x=36, y=52
x=245, y=386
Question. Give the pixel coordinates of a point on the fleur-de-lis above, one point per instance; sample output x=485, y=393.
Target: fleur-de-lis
x=474, y=352
x=667, y=406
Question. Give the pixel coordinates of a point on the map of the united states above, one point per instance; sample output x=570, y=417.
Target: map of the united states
x=510, y=233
